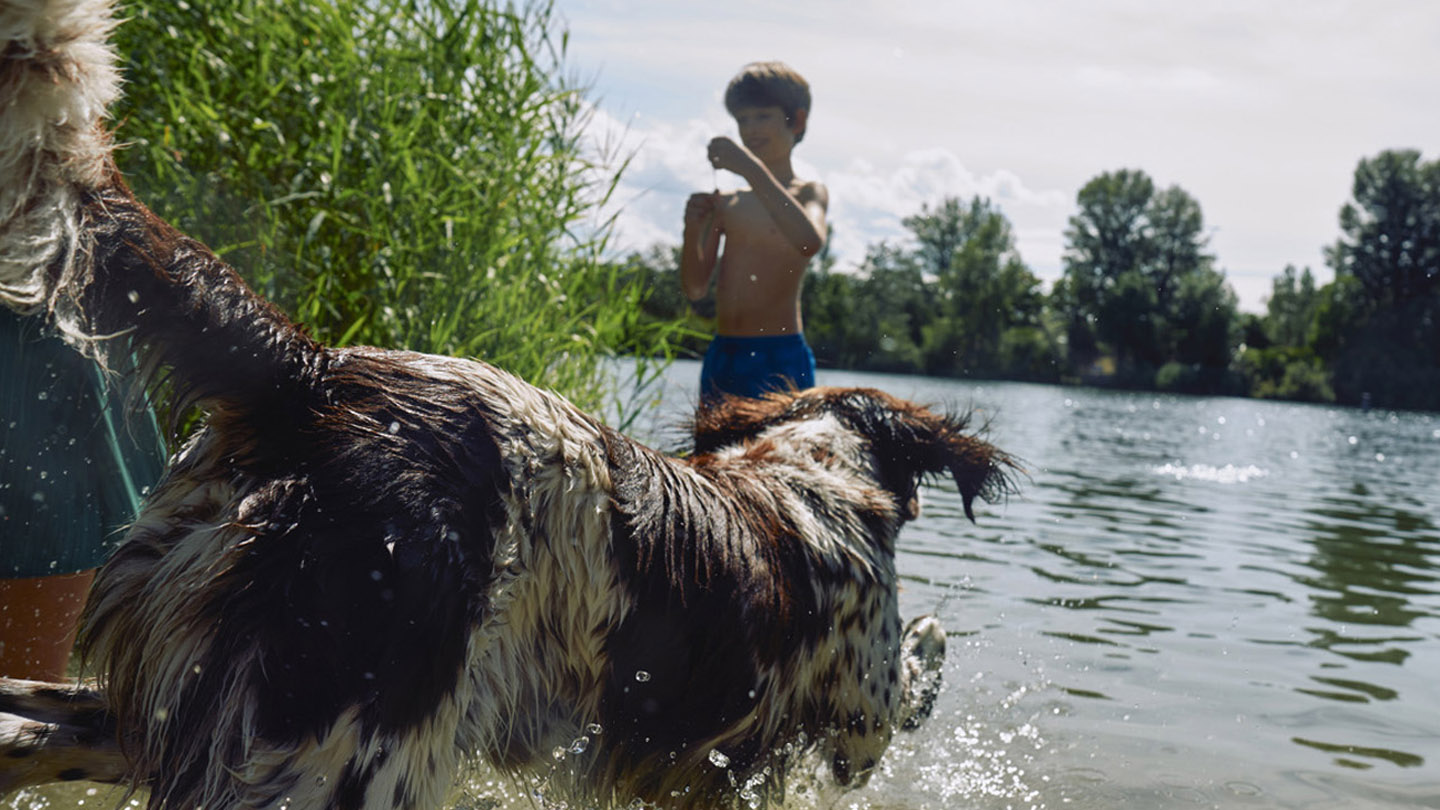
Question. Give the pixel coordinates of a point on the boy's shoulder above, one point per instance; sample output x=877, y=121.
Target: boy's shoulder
x=804, y=191
x=810, y=191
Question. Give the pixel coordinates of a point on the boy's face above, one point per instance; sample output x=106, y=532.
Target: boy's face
x=765, y=131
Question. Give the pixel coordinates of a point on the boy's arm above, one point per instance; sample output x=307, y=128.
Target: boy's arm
x=701, y=245
x=800, y=216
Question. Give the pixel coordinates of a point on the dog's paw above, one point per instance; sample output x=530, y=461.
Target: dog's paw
x=922, y=656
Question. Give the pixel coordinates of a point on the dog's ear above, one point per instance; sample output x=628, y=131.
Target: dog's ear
x=979, y=469
x=911, y=442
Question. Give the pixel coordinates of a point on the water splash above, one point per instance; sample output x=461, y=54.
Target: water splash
x=1229, y=474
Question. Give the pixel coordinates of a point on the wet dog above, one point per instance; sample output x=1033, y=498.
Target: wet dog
x=367, y=566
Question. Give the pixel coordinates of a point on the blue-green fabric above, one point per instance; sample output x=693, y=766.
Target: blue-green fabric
x=75, y=458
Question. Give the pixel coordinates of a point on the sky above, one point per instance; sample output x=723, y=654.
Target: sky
x=1259, y=109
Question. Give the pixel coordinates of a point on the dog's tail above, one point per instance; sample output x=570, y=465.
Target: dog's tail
x=77, y=247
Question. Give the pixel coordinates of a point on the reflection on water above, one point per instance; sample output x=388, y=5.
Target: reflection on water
x=1194, y=602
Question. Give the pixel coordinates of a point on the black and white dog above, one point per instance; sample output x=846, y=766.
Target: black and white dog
x=370, y=565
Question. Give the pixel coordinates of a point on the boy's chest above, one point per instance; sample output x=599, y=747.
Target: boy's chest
x=747, y=220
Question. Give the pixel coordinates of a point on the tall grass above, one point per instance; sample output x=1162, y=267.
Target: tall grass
x=402, y=173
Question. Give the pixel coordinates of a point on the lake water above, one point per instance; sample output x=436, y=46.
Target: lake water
x=1194, y=602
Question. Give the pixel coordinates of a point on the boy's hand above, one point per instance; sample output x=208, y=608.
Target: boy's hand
x=698, y=208
x=726, y=154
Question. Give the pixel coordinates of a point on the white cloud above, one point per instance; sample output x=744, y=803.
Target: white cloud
x=1259, y=110
x=868, y=200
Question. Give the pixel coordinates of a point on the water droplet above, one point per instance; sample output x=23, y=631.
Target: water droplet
x=394, y=427
x=642, y=676
x=593, y=728
x=1379, y=456
x=1353, y=440
x=718, y=759
x=578, y=745
x=376, y=575
x=558, y=753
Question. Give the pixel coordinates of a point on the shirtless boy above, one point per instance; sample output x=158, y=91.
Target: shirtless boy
x=769, y=232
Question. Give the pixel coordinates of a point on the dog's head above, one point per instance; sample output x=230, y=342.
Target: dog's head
x=907, y=442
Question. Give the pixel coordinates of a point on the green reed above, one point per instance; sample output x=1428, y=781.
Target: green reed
x=400, y=173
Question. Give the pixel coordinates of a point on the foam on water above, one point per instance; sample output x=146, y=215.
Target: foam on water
x=1228, y=474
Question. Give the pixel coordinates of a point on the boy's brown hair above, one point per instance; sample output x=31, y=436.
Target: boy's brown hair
x=769, y=84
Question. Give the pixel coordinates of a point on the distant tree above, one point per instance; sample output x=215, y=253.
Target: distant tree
x=1139, y=280
x=1279, y=360
x=958, y=301
x=1253, y=332
x=827, y=303
x=1341, y=311
x=982, y=290
x=1108, y=237
x=895, y=305
x=1383, y=339
x=1126, y=315
x=1176, y=234
x=1290, y=309
x=1286, y=372
x=868, y=319
x=940, y=233
x=1074, y=323
x=1391, y=228
x=1205, y=320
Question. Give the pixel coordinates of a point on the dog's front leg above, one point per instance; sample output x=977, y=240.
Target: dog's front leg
x=54, y=733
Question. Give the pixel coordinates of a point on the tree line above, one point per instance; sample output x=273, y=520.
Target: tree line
x=1141, y=302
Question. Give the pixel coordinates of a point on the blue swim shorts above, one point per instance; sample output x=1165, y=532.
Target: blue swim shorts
x=750, y=366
